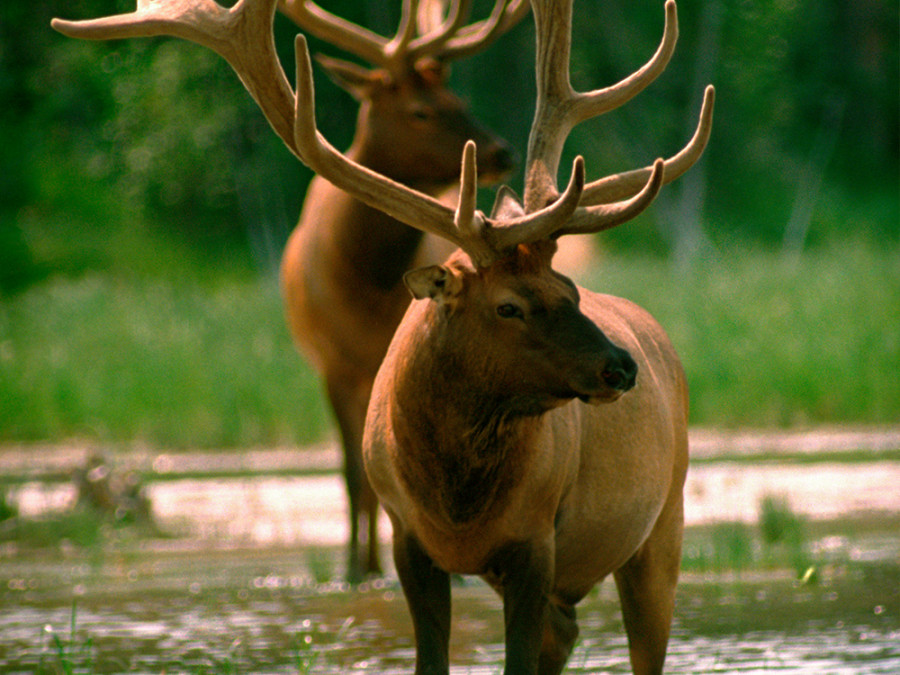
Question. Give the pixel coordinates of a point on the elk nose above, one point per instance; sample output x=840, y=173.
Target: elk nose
x=620, y=373
x=500, y=158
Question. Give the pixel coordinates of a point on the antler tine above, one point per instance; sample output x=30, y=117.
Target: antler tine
x=626, y=184
x=597, y=102
x=397, y=49
x=335, y=30
x=541, y=224
x=589, y=219
x=507, y=12
x=242, y=35
x=414, y=208
x=481, y=34
x=470, y=222
x=430, y=16
x=436, y=31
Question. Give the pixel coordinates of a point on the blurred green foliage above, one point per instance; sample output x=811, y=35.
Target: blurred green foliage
x=146, y=156
x=144, y=170
x=767, y=340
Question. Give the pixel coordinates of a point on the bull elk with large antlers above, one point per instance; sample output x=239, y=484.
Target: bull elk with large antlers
x=527, y=430
x=520, y=428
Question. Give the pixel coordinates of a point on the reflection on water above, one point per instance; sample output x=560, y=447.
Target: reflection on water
x=262, y=612
x=311, y=510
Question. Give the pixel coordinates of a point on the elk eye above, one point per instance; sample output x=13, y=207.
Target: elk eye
x=509, y=311
x=423, y=113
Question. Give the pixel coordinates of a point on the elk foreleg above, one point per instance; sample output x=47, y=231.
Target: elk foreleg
x=560, y=633
x=525, y=572
x=646, y=586
x=427, y=591
x=349, y=401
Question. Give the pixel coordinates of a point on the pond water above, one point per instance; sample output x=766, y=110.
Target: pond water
x=244, y=611
x=312, y=509
x=245, y=585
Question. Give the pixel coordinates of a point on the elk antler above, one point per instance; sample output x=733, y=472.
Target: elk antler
x=560, y=108
x=442, y=31
x=243, y=36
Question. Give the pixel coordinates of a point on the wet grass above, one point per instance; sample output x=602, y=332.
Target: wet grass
x=774, y=340
x=67, y=654
x=780, y=540
x=182, y=364
x=767, y=340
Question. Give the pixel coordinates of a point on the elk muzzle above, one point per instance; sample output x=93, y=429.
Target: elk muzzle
x=620, y=374
x=599, y=371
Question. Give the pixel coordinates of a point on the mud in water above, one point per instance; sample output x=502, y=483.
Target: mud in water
x=157, y=611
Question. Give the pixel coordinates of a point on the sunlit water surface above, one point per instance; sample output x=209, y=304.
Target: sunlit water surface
x=264, y=612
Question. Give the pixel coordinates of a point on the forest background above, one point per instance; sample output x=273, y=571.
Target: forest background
x=144, y=202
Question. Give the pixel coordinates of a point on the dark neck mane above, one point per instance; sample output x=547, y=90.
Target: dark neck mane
x=461, y=449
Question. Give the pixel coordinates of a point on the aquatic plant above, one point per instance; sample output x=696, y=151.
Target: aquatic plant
x=784, y=534
x=68, y=655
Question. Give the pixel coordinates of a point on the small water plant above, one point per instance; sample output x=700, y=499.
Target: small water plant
x=784, y=535
x=779, y=540
x=66, y=654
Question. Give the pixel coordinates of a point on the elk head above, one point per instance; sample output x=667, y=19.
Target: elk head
x=411, y=126
x=515, y=334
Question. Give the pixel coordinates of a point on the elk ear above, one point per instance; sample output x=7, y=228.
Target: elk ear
x=436, y=281
x=432, y=72
x=507, y=204
x=352, y=78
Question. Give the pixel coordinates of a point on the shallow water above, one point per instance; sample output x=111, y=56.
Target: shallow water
x=155, y=611
x=311, y=510
x=171, y=606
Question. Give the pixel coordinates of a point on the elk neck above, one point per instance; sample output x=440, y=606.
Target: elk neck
x=470, y=443
x=378, y=247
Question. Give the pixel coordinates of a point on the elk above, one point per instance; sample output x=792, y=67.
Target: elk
x=527, y=430
x=519, y=428
x=342, y=268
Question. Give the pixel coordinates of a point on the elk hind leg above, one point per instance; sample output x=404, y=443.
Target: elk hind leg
x=646, y=586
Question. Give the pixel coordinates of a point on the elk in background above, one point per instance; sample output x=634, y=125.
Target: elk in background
x=573, y=404
x=342, y=268
x=343, y=264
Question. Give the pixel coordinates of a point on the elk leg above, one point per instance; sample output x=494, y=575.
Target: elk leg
x=560, y=633
x=427, y=591
x=646, y=585
x=526, y=573
x=350, y=413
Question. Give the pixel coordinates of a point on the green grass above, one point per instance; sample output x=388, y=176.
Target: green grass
x=67, y=655
x=779, y=341
x=176, y=365
x=767, y=341
x=779, y=541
